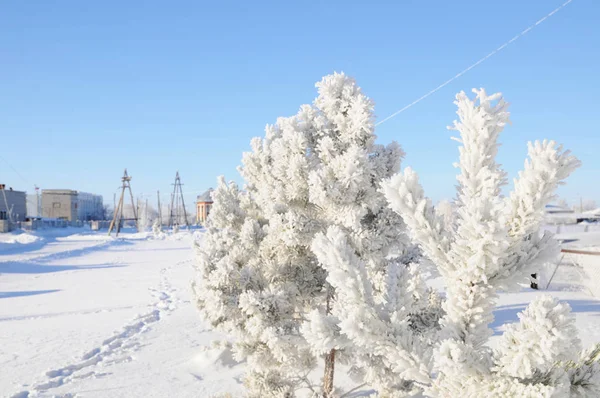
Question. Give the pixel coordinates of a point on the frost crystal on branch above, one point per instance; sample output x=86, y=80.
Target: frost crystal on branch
x=544, y=335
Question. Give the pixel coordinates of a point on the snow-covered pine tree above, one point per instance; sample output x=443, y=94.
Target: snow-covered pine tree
x=259, y=280
x=157, y=230
x=144, y=219
x=492, y=243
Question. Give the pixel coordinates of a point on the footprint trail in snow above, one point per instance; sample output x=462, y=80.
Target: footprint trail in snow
x=116, y=349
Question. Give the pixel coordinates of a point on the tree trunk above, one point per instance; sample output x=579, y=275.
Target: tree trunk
x=533, y=283
x=328, y=376
x=330, y=357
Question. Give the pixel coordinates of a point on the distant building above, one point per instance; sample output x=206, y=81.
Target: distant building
x=34, y=204
x=89, y=206
x=13, y=204
x=59, y=203
x=70, y=205
x=562, y=215
x=555, y=209
x=203, y=205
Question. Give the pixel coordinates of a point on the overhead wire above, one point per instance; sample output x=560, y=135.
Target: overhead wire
x=13, y=169
x=503, y=46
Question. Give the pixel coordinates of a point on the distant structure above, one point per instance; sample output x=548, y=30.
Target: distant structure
x=13, y=204
x=118, y=213
x=90, y=207
x=203, y=205
x=561, y=215
x=556, y=209
x=33, y=206
x=34, y=203
x=60, y=204
x=177, y=204
x=71, y=205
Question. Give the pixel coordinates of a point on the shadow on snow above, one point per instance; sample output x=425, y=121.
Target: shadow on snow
x=4, y=295
x=36, y=265
x=506, y=314
x=47, y=236
x=33, y=268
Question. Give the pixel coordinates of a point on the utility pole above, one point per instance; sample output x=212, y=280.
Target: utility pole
x=38, y=207
x=176, y=198
x=159, y=210
x=118, y=213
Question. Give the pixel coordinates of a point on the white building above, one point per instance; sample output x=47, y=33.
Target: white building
x=89, y=206
x=34, y=205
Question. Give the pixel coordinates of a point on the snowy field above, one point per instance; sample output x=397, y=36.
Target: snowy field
x=87, y=315
x=94, y=316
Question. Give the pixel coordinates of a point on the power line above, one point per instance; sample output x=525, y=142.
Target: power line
x=13, y=169
x=475, y=64
x=168, y=195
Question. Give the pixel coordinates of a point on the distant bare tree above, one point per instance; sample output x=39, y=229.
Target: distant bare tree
x=586, y=205
x=107, y=212
x=562, y=203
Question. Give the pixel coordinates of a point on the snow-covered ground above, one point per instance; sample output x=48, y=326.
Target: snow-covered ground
x=87, y=315
x=95, y=316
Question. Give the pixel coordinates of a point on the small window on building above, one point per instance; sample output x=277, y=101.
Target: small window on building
x=56, y=205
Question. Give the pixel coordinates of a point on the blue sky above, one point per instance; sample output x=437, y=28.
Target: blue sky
x=89, y=88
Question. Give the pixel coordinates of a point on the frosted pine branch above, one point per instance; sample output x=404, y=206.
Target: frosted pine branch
x=491, y=243
x=377, y=331
x=406, y=197
x=546, y=333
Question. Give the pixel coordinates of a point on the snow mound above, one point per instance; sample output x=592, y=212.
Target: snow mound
x=10, y=242
x=85, y=237
x=144, y=235
x=23, y=239
x=215, y=356
x=181, y=235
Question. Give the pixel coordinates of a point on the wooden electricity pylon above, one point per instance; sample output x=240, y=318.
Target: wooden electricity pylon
x=177, y=203
x=118, y=214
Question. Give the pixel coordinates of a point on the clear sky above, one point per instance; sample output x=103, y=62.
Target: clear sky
x=89, y=88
